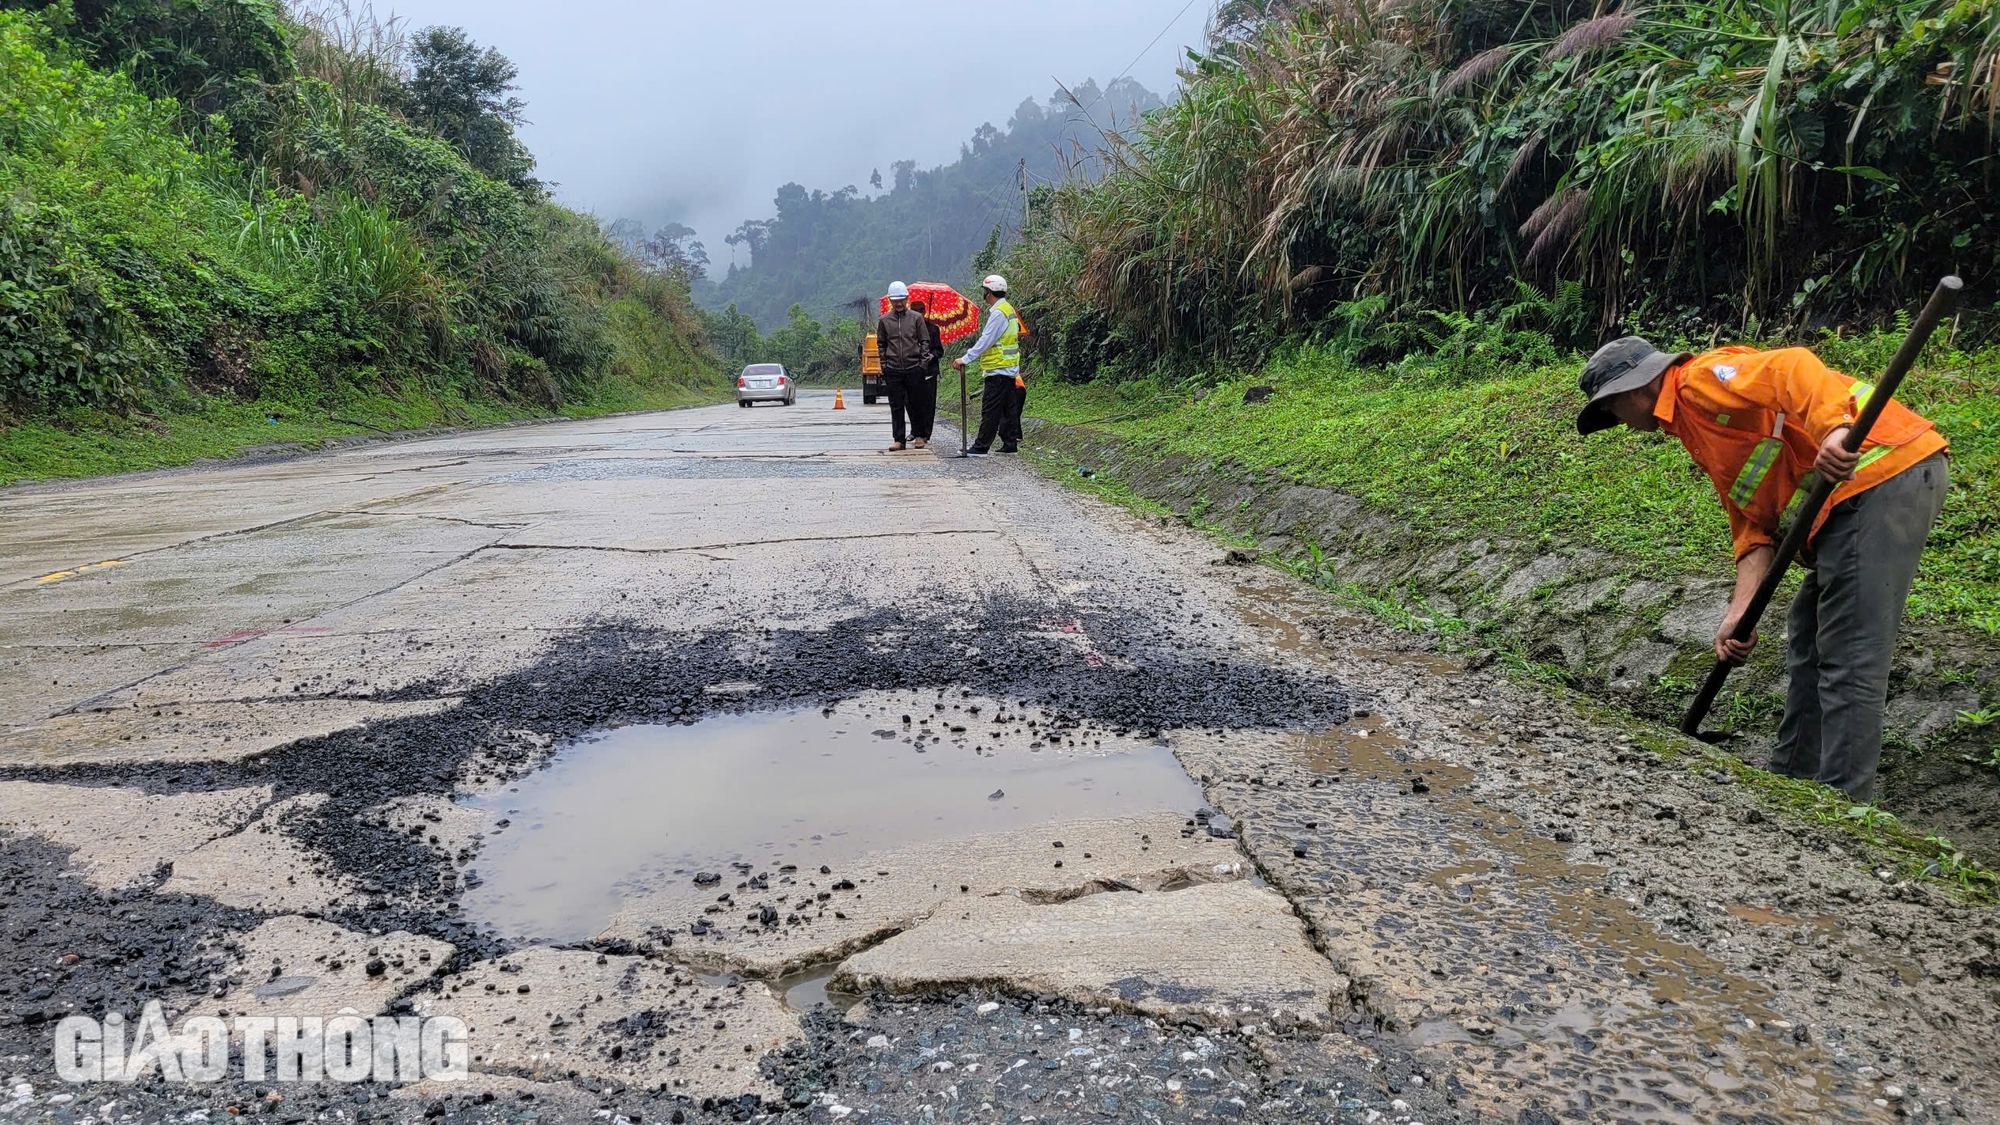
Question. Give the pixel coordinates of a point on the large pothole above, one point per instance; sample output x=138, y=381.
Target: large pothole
x=737, y=805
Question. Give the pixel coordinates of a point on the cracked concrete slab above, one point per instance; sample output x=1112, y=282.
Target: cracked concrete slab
x=659, y=514
x=294, y=966
x=196, y=732
x=1523, y=972
x=201, y=592
x=122, y=836
x=546, y=1012
x=39, y=678
x=818, y=918
x=262, y=867
x=1221, y=953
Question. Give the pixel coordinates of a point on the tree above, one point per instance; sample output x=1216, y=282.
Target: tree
x=733, y=336
x=751, y=234
x=875, y=179
x=822, y=249
x=465, y=95
x=672, y=249
x=202, y=53
x=629, y=233
x=989, y=256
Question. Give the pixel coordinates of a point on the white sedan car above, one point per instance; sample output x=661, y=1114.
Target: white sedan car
x=765, y=382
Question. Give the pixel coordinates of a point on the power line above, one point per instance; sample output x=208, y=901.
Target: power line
x=1155, y=42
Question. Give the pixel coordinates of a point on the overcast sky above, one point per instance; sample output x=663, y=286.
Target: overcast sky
x=696, y=112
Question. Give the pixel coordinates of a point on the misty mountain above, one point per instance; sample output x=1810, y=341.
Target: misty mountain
x=826, y=250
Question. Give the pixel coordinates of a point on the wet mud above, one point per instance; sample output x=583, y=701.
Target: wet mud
x=1589, y=931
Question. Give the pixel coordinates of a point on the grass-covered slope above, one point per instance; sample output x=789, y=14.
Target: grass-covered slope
x=174, y=285
x=1500, y=456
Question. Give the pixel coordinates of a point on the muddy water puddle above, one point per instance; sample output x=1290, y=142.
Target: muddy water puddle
x=801, y=991
x=1280, y=614
x=1760, y=916
x=625, y=812
x=1535, y=975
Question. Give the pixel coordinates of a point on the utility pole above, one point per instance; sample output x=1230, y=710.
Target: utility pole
x=1024, y=195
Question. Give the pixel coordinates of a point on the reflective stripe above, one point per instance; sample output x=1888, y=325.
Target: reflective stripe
x=1754, y=470
x=1791, y=512
x=1862, y=393
x=1811, y=478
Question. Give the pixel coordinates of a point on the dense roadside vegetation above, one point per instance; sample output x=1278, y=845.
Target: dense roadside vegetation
x=222, y=226
x=1378, y=172
x=815, y=353
x=1413, y=221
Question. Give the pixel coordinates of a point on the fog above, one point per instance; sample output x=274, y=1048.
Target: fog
x=695, y=113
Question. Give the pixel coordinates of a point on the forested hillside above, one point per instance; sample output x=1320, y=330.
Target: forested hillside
x=221, y=224
x=824, y=250
x=1419, y=176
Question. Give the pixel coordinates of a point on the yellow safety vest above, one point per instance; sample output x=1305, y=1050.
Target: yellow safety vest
x=1006, y=351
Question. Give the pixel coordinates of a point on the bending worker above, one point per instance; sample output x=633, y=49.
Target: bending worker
x=1003, y=393
x=1758, y=422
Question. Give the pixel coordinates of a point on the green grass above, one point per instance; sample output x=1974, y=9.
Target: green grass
x=91, y=443
x=1500, y=456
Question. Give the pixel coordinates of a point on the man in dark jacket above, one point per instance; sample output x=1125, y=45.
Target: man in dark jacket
x=923, y=392
x=903, y=337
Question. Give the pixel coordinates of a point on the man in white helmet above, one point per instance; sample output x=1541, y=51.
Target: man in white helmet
x=903, y=337
x=1003, y=392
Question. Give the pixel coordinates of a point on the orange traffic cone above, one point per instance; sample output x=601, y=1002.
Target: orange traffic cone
x=838, y=404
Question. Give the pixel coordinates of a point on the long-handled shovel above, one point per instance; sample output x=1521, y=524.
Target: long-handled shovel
x=1939, y=306
x=962, y=439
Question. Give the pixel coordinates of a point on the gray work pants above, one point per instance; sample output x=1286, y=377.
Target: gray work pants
x=1841, y=633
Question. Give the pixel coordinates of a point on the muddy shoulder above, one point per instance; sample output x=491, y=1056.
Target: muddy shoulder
x=1608, y=626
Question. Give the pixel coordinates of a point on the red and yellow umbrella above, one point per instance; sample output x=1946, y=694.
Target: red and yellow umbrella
x=955, y=316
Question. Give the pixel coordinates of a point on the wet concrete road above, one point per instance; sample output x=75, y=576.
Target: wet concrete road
x=606, y=737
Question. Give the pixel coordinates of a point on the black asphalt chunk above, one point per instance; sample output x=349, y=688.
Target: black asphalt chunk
x=72, y=949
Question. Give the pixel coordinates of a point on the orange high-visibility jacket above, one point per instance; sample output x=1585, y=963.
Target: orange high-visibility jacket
x=1754, y=421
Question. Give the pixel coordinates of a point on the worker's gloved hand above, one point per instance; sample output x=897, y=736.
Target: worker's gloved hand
x=1728, y=649
x=1835, y=462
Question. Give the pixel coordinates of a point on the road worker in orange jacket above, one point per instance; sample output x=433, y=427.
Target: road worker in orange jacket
x=1758, y=422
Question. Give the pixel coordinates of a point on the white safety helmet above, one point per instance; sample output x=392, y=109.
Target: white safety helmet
x=898, y=291
x=995, y=282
